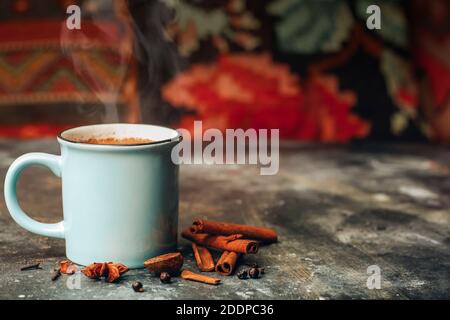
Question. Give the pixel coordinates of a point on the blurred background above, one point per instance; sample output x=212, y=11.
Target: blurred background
x=311, y=68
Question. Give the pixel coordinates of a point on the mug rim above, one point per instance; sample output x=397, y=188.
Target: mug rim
x=177, y=138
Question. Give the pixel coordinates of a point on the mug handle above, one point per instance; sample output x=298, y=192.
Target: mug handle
x=50, y=161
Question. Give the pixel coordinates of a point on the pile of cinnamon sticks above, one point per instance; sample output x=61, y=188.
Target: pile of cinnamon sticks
x=234, y=240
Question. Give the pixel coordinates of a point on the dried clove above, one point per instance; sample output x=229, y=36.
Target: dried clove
x=137, y=286
x=31, y=267
x=243, y=274
x=253, y=273
x=165, y=277
x=56, y=274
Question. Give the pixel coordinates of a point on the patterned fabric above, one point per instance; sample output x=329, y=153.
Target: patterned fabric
x=432, y=52
x=35, y=70
x=309, y=27
x=251, y=91
x=205, y=27
x=236, y=58
x=320, y=40
x=43, y=63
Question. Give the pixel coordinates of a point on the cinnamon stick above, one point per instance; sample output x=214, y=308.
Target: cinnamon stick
x=262, y=234
x=227, y=263
x=225, y=243
x=189, y=275
x=203, y=258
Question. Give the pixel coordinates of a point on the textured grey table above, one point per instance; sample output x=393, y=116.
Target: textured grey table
x=338, y=210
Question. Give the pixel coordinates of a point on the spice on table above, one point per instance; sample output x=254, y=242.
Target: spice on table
x=137, y=286
x=253, y=273
x=56, y=274
x=243, y=274
x=31, y=267
x=226, y=243
x=189, y=275
x=203, y=257
x=96, y=270
x=265, y=235
x=71, y=269
x=255, y=265
x=165, y=277
x=169, y=262
x=115, y=271
x=227, y=263
x=111, y=271
x=67, y=267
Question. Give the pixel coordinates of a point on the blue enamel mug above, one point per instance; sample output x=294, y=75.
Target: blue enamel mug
x=120, y=202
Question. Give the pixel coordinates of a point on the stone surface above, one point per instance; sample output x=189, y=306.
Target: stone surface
x=338, y=210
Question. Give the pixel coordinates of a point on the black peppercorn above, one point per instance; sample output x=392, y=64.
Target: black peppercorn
x=243, y=274
x=164, y=277
x=253, y=273
x=137, y=286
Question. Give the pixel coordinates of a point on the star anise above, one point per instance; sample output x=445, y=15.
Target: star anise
x=109, y=270
x=96, y=270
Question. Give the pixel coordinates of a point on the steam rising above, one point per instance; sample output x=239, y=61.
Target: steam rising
x=157, y=56
x=144, y=52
